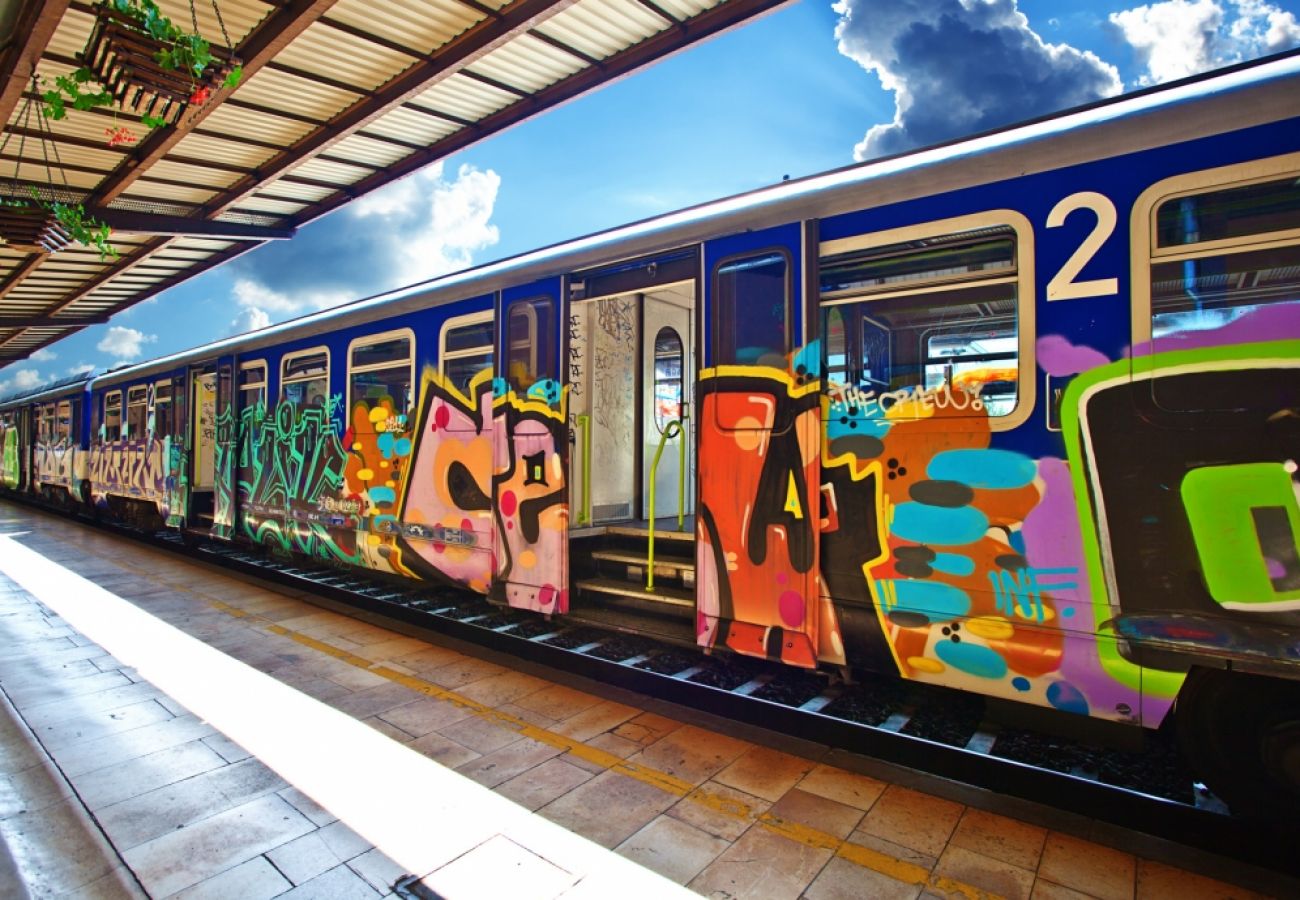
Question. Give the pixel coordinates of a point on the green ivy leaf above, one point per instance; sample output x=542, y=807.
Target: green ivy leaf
x=153, y=121
x=232, y=80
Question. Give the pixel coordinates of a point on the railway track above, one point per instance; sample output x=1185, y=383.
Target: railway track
x=935, y=731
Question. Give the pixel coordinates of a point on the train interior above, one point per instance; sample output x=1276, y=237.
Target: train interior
x=631, y=372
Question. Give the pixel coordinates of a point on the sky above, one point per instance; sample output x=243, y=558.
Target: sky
x=813, y=86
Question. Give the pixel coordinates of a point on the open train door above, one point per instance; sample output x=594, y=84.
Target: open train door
x=757, y=519
x=530, y=441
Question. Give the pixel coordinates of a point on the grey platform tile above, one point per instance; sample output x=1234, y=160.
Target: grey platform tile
x=318, y=814
x=119, y=884
x=90, y=755
x=148, y=816
x=57, y=849
x=69, y=681
x=62, y=709
x=256, y=879
x=380, y=872
x=302, y=859
x=197, y=852
x=97, y=725
x=509, y=869
x=228, y=749
x=345, y=842
x=113, y=784
x=31, y=789
x=672, y=848
x=339, y=883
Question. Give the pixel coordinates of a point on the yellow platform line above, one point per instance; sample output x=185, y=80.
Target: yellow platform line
x=883, y=863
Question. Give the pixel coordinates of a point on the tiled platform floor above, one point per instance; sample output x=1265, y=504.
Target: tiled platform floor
x=180, y=810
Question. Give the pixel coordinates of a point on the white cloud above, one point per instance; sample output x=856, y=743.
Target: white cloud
x=421, y=227
x=21, y=380
x=81, y=368
x=250, y=318
x=124, y=343
x=1176, y=38
x=457, y=226
x=959, y=67
x=45, y=354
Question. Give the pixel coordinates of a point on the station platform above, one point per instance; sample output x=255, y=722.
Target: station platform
x=171, y=730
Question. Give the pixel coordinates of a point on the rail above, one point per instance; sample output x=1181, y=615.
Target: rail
x=671, y=430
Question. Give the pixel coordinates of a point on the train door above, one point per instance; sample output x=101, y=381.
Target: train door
x=758, y=515
x=667, y=379
x=530, y=450
x=203, y=442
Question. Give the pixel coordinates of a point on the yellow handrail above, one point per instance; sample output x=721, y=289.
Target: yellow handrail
x=584, y=427
x=671, y=430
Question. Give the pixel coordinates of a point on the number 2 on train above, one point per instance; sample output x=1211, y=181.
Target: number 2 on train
x=1063, y=285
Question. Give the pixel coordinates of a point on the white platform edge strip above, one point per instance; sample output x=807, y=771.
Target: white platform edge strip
x=419, y=813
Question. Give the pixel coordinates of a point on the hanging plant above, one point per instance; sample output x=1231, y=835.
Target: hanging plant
x=39, y=221
x=140, y=60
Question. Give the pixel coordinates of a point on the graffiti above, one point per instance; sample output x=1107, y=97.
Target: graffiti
x=446, y=508
x=528, y=481
x=9, y=472
x=134, y=468
x=855, y=401
x=290, y=460
x=758, y=513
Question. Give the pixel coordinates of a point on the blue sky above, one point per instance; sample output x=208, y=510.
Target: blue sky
x=808, y=88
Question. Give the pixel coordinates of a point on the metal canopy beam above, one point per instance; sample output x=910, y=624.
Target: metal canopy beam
x=28, y=36
x=183, y=226
x=464, y=49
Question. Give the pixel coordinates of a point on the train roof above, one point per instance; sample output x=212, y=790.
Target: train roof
x=1240, y=96
x=73, y=384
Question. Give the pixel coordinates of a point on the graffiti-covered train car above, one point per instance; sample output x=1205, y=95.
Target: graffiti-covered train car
x=44, y=435
x=1018, y=415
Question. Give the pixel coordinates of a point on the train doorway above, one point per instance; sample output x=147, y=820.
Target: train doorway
x=631, y=376
x=203, y=421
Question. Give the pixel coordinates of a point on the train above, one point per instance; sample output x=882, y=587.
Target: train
x=1016, y=415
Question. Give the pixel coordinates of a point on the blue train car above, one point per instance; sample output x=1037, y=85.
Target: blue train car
x=1016, y=415
x=45, y=437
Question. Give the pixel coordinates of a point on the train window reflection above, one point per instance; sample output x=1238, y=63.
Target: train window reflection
x=668, y=378
x=753, y=302
x=304, y=378
x=381, y=371
x=466, y=349
x=924, y=324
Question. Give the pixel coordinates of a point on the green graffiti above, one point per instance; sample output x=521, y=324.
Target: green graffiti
x=9, y=471
x=291, y=467
x=1246, y=523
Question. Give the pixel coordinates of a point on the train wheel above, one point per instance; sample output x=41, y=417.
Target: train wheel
x=1241, y=734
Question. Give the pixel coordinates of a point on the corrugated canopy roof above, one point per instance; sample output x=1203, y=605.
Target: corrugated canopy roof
x=337, y=98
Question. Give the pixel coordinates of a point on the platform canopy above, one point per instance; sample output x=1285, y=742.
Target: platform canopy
x=337, y=98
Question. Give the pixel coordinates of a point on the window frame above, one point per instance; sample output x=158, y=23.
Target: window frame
x=298, y=354
x=140, y=391
x=465, y=321
x=260, y=386
x=1146, y=251
x=380, y=338
x=161, y=400
x=715, y=278
x=108, y=396
x=1024, y=278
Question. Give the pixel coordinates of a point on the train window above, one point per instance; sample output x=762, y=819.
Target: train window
x=63, y=421
x=162, y=408
x=530, y=339
x=668, y=378
x=1224, y=269
x=112, y=427
x=381, y=372
x=753, y=303
x=252, y=384
x=137, y=412
x=304, y=377
x=46, y=428
x=466, y=349
x=934, y=320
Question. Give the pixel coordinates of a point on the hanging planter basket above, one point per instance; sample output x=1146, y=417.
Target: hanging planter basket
x=126, y=61
x=31, y=228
